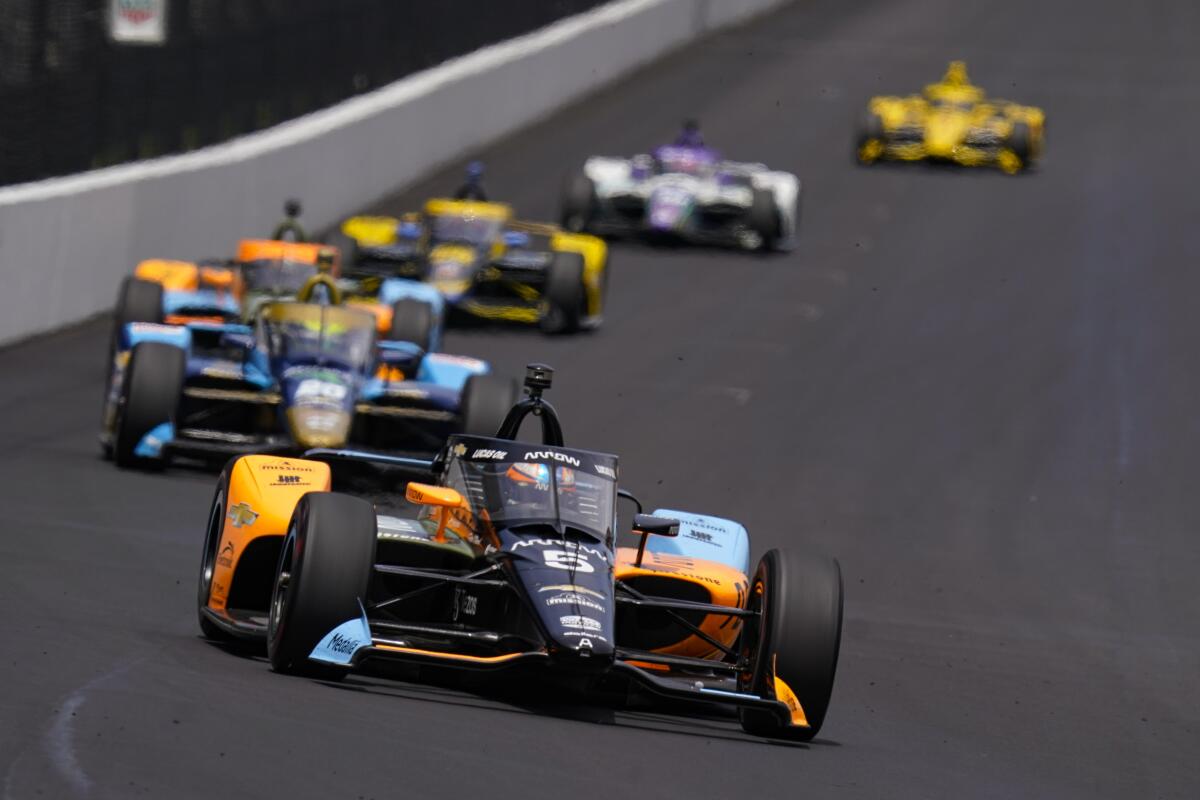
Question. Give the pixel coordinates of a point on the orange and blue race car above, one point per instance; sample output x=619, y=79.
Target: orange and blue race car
x=511, y=564
x=952, y=121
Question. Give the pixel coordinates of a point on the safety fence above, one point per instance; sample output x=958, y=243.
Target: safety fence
x=72, y=99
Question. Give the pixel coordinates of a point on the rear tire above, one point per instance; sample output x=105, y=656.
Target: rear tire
x=324, y=572
x=564, y=297
x=578, y=203
x=799, y=597
x=137, y=301
x=149, y=397
x=347, y=250
x=412, y=321
x=486, y=401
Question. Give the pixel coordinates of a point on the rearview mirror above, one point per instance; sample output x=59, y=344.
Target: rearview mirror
x=424, y=494
x=647, y=525
x=659, y=526
x=443, y=498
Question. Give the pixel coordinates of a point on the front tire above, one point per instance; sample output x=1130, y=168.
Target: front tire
x=799, y=599
x=564, y=297
x=149, y=397
x=324, y=573
x=763, y=219
x=486, y=401
x=870, y=142
x=208, y=557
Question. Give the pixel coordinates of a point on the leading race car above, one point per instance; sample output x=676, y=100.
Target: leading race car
x=512, y=564
x=953, y=121
x=482, y=262
x=685, y=191
x=303, y=375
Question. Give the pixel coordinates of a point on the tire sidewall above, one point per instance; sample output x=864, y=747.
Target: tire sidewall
x=329, y=550
x=150, y=391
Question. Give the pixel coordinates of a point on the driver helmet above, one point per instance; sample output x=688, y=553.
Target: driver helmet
x=474, y=171
x=527, y=483
x=690, y=135
x=325, y=258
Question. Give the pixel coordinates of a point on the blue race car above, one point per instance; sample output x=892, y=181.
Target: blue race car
x=304, y=375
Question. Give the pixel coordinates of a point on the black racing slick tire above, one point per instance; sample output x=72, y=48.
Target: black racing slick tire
x=149, y=397
x=412, y=321
x=799, y=599
x=486, y=401
x=869, y=129
x=564, y=296
x=763, y=218
x=323, y=576
x=1020, y=141
x=347, y=248
x=578, y=203
x=137, y=301
x=210, y=554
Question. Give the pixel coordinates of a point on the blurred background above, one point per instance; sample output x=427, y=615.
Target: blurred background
x=75, y=97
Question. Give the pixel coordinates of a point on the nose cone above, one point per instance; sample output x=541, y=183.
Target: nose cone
x=944, y=133
x=569, y=586
x=668, y=208
x=318, y=427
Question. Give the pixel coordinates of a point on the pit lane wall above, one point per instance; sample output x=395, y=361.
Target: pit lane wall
x=65, y=243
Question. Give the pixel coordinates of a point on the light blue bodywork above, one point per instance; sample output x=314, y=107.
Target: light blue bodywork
x=341, y=643
x=704, y=537
x=201, y=301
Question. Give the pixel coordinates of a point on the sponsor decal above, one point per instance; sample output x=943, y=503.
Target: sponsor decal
x=459, y=450
x=570, y=587
x=241, y=515
x=464, y=604
x=343, y=644
x=286, y=466
x=550, y=455
x=607, y=472
x=318, y=392
x=556, y=543
x=678, y=565
x=225, y=557
x=574, y=600
x=585, y=636
x=575, y=621
x=496, y=455
x=700, y=536
x=290, y=480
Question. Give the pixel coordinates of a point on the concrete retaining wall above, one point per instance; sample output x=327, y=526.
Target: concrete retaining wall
x=66, y=242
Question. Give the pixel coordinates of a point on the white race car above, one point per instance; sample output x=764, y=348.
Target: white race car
x=685, y=192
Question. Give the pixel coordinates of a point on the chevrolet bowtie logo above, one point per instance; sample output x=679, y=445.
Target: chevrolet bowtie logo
x=460, y=450
x=242, y=514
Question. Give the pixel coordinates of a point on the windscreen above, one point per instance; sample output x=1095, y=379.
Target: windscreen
x=571, y=489
x=302, y=333
x=457, y=228
x=276, y=277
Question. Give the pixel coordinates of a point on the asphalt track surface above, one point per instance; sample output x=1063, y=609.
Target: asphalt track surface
x=978, y=392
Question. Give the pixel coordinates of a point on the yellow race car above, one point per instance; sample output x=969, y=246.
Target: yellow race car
x=477, y=260
x=952, y=121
